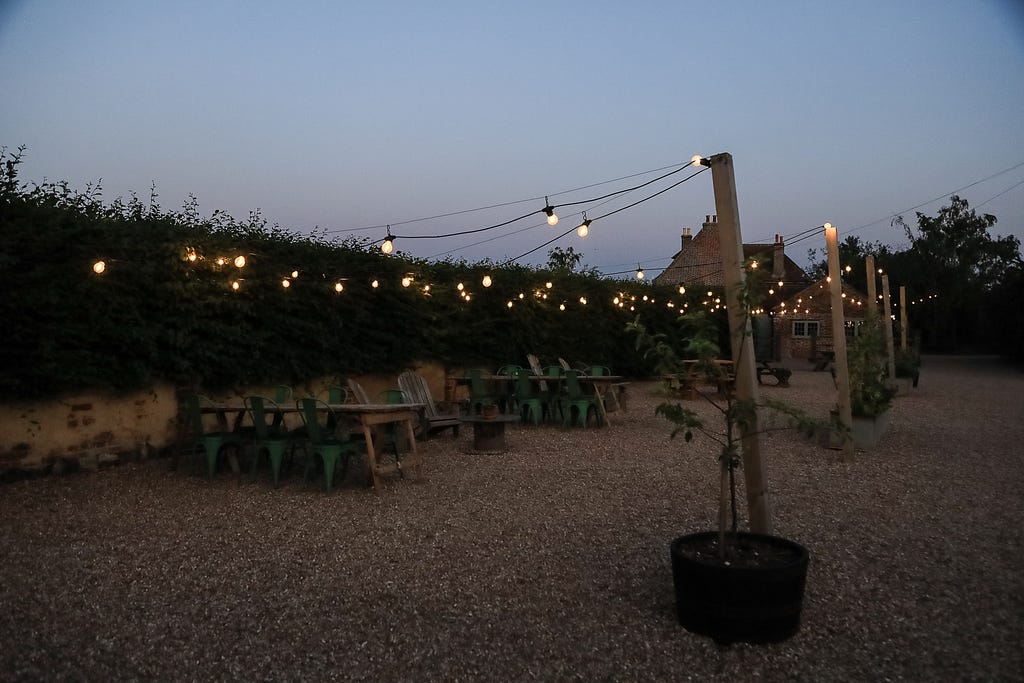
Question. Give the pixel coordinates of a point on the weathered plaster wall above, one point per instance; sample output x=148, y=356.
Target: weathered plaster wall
x=92, y=429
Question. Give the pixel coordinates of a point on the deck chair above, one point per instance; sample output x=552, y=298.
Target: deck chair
x=415, y=388
x=358, y=392
x=564, y=363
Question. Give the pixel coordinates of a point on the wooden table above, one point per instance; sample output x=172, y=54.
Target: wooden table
x=489, y=432
x=372, y=416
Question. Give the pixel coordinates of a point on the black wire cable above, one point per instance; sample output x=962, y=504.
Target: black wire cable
x=610, y=213
x=512, y=203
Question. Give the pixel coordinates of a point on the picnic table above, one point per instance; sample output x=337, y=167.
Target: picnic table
x=371, y=416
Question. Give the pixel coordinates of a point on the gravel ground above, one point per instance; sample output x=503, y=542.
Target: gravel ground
x=548, y=562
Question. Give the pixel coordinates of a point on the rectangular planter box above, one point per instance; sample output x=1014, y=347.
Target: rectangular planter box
x=866, y=432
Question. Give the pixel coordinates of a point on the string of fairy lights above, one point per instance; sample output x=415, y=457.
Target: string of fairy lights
x=549, y=210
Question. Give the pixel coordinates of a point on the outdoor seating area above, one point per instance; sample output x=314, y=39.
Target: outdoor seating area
x=565, y=536
x=322, y=435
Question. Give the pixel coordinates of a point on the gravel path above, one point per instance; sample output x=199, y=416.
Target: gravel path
x=549, y=562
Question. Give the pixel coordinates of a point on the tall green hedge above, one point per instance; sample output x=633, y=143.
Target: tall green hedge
x=153, y=314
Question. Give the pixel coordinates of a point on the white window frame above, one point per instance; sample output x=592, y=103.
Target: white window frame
x=807, y=324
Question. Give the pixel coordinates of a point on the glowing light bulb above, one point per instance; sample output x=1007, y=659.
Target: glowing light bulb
x=236, y=285
x=521, y=295
x=239, y=262
x=639, y=273
x=295, y=273
x=849, y=268
x=286, y=283
x=99, y=267
x=509, y=303
x=387, y=247
x=710, y=293
x=426, y=289
x=550, y=211
x=375, y=284
x=549, y=285
x=771, y=291
x=468, y=297
x=696, y=160
x=561, y=307
x=682, y=290
x=780, y=284
x=190, y=254
x=753, y=264
x=583, y=230
x=338, y=287
x=583, y=300
x=828, y=226
x=460, y=286
x=486, y=282
x=615, y=301
x=406, y=281
x=220, y=261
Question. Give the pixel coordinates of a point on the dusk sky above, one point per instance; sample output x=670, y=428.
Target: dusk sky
x=349, y=115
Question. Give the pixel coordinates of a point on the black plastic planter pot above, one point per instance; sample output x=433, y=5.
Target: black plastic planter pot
x=756, y=598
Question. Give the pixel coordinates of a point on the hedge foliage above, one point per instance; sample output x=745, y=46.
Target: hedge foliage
x=154, y=315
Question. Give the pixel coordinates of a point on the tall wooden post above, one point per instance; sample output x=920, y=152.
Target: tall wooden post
x=903, y=318
x=869, y=266
x=839, y=339
x=887, y=327
x=731, y=243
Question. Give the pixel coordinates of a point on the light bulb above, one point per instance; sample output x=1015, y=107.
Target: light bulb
x=486, y=282
x=710, y=293
x=460, y=286
x=295, y=273
x=99, y=267
x=583, y=300
x=682, y=290
x=780, y=283
x=406, y=281
x=220, y=261
x=561, y=307
x=509, y=304
x=583, y=230
x=639, y=273
x=387, y=247
x=239, y=262
x=286, y=283
x=549, y=285
x=338, y=287
x=235, y=285
x=375, y=284
x=552, y=218
x=697, y=160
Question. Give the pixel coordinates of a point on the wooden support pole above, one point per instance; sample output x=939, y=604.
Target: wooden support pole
x=839, y=340
x=903, y=318
x=869, y=266
x=754, y=471
x=887, y=327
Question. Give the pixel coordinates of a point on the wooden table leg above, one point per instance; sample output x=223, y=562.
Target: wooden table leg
x=372, y=462
x=600, y=405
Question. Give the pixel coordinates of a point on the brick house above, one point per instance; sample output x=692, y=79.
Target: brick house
x=699, y=262
x=802, y=322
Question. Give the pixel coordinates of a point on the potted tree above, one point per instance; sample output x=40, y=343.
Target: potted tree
x=729, y=584
x=870, y=393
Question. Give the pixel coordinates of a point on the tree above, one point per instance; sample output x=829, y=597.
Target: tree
x=568, y=261
x=953, y=256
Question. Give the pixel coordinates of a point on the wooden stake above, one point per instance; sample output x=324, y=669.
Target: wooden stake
x=903, y=317
x=731, y=244
x=839, y=338
x=869, y=262
x=887, y=327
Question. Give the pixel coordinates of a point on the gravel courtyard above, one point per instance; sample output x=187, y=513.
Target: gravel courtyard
x=548, y=562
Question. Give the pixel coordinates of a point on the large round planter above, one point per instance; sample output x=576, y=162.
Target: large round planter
x=756, y=598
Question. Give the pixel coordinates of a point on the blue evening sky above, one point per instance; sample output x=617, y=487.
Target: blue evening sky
x=345, y=115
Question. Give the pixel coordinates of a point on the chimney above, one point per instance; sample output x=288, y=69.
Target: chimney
x=710, y=222
x=778, y=259
x=687, y=237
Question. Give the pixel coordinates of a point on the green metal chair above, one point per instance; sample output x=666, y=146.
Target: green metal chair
x=577, y=399
x=321, y=440
x=270, y=437
x=211, y=443
x=282, y=394
x=336, y=395
x=509, y=399
x=527, y=397
x=478, y=394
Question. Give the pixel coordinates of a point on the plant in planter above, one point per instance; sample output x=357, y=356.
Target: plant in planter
x=870, y=392
x=730, y=585
x=908, y=364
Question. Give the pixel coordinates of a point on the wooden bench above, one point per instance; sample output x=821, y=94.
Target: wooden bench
x=781, y=375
